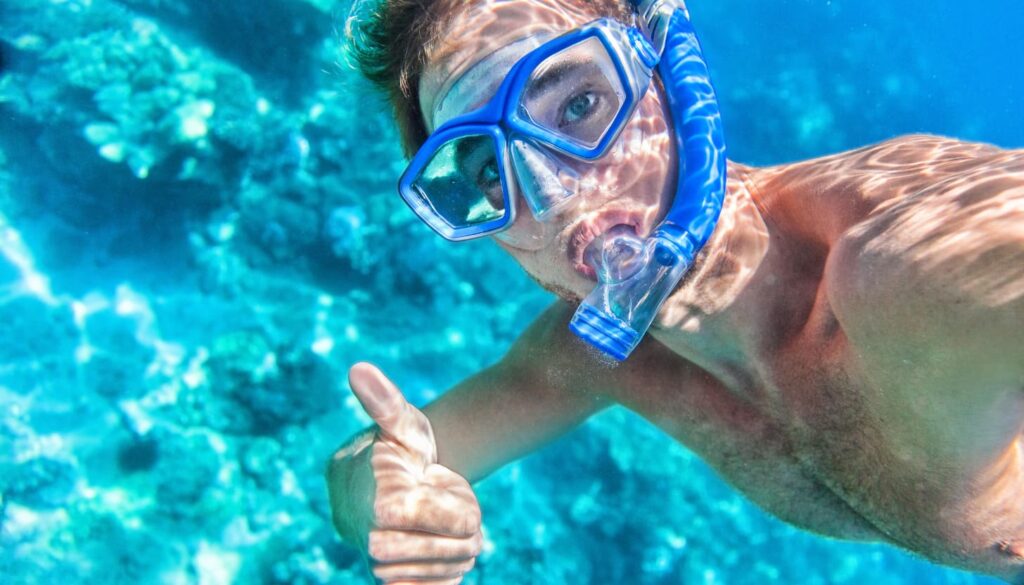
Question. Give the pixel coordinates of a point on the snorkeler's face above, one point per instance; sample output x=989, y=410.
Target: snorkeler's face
x=631, y=185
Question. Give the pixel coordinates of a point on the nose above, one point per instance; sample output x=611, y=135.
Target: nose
x=544, y=181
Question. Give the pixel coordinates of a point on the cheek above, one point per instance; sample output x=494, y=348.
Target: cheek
x=550, y=269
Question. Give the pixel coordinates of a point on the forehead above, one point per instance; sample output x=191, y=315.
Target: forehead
x=478, y=29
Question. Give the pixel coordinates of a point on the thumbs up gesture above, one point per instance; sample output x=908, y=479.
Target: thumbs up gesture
x=417, y=521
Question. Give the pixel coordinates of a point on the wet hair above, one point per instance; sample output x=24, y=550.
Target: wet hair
x=390, y=48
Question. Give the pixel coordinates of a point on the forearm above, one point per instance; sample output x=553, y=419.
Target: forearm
x=504, y=413
x=547, y=384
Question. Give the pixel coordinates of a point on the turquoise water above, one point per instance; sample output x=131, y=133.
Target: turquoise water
x=199, y=234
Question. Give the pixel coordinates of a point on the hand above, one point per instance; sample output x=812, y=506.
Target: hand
x=418, y=522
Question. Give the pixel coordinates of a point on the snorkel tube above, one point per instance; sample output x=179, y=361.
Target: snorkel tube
x=636, y=276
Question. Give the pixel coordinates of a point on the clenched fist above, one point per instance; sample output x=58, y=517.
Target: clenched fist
x=417, y=521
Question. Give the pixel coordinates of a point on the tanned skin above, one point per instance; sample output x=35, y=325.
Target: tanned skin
x=848, y=352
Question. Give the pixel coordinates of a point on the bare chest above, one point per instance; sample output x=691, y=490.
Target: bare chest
x=737, y=428
x=862, y=438
x=808, y=443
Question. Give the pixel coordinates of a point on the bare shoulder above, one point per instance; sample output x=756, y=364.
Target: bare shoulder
x=912, y=168
x=947, y=241
x=909, y=159
x=929, y=284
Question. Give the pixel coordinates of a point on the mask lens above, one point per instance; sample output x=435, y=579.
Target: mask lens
x=576, y=93
x=462, y=182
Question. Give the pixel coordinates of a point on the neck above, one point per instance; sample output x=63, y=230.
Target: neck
x=722, y=310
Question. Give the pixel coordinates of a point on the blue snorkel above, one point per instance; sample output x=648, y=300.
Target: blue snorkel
x=636, y=276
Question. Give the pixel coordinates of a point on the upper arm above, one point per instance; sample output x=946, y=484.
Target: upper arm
x=930, y=289
x=547, y=384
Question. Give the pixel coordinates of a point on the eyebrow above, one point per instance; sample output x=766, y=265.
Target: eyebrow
x=554, y=75
x=550, y=77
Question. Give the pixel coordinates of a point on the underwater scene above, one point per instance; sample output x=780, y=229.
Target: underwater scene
x=200, y=233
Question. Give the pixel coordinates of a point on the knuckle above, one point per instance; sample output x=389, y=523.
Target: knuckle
x=466, y=524
x=381, y=573
x=471, y=518
x=477, y=544
x=383, y=515
x=462, y=482
x=377, y=549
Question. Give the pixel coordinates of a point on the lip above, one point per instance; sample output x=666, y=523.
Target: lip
x=590, y=228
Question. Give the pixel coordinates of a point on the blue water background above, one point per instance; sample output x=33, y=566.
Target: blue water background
x=199, y=235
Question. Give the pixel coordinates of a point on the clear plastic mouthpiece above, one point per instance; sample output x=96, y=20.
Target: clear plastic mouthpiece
x=616, y=254
x=636, y=277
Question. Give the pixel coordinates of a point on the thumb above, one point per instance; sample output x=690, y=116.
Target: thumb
x=398, y=420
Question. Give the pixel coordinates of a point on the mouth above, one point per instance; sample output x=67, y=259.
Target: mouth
x=589, y=229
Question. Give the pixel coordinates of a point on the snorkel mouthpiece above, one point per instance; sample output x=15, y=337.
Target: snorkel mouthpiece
x=635, y=276
x=616, y=254
x=616, y=314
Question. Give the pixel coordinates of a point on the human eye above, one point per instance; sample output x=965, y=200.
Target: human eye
x=488, y=179
x=488, y=175
x=479, y=166
x=578, y=108
x=475, y=160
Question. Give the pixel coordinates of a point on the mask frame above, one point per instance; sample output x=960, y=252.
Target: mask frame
x=500, y=119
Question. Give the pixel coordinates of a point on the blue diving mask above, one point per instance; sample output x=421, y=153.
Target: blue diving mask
x=571, y=97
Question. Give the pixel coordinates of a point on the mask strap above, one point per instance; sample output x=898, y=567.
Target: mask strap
x=465, y=90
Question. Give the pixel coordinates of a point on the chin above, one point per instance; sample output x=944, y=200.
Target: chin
x=562, y=293
x=551, y=271
x=565, y=281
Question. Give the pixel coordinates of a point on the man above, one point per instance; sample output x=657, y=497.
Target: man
x=848, y=350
